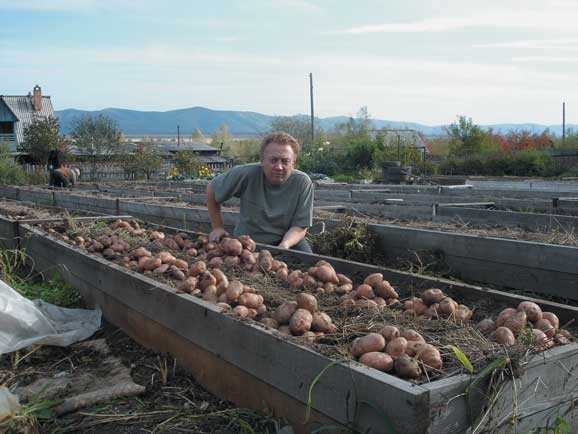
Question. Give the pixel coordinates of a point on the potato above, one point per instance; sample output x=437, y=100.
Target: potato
x=505, y=315
x=162, y=269
x=252, y=313
x=431, y=311
x=300, y=321
x=215, y=262
x=285, y=329
x=224, y=306
x=294, y=275
x=366, y=344
x=411, y=335
x=211, y=246
x=553, y=318
x=214, y=253
x=562, y=339
x=533, y=311
x=364, y=291
x=326, y=273
x=247, y=257
x=188, y=285
x=431, y=357
x=231, y=260
x=419, y=306
x=447, y=306
x=252, y=301
x=150, y=263
x=210, y=294
x=176, y=273
x=432, y=295
x=365, y=303
x=234, y=291
x=241, y=311
x=343, y=279
x=396, y=347
x=487, y=326
x=309, y=282
x=192, y=252
x=307, y=302
x=170, y=243
x=406, y=367
x=297, y=283
x=540, y=340
x=265, y=261
x=220, y=276
x=385, y=290
x=517, y=322
x=156, y=235
x=376, y=360
x=389, y=332
x=373, y=280
x=329, y=288
x=310, y=337
x=275, y=265
x=408, y=304
x=415, y=347
x=285, y=311
x=197, y=269
x=546, y=326
x=322, y=323
x=247, y=243
x=282, y=274
x=380, y=302
x=140, y=252
x=347, y=303
x=262, y=309
x=344, y=288
x=179, y=263
x=232, y=247
x=463, y=313
x=270, y=323
x=504, y=336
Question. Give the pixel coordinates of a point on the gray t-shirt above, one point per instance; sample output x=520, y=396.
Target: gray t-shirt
x=267, y=210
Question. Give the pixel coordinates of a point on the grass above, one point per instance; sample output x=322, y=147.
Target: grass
x=54, y=291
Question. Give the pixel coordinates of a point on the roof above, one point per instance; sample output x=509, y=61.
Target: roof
x=23, y=109
x=406, y=136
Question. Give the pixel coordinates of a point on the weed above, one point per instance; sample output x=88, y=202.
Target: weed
x=11, y=261
x=54, y=291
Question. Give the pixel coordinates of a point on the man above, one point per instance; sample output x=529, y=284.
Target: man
x=55, y=161
x=276, y=199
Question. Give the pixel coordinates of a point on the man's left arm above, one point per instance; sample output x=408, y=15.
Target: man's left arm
x=292, y=237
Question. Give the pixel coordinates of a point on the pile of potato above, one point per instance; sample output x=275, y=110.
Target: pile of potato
x=373, y=293
x=433, y=303
x=511, y=324
x=301, y=317
x=404, y=352
x=320, y=279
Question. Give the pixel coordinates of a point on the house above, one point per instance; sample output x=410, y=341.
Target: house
x=17, y=112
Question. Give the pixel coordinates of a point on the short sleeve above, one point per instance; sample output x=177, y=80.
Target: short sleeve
x=303, y=217
x=229, y=184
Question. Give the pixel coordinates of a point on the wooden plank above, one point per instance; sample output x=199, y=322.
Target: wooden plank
x=466, y=204
x=80, y=219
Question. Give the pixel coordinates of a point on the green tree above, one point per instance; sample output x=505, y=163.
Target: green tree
x=221, y=136
x=10, y=171
x=146, y=159
x=98, y=136
x=187, y=162
x=40, y=137
x=299, y=127
x=466, y=138
x=243, y=151
x=198, y=135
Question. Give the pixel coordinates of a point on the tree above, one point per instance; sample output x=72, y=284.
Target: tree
x=466, y=138
x=221, y=136
x=299, y=127
x=187, y=163
x=198, y=135
x=40, y=137
x=146, y=159
x=10, y=171
x=98, y=136
x=243, y=151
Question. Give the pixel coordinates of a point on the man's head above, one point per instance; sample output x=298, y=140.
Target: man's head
x=278, y=155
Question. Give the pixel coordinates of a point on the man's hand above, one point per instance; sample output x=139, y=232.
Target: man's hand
x=218, y=233
x=284, y=245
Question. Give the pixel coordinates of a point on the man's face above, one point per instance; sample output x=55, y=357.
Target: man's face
x=277, y=162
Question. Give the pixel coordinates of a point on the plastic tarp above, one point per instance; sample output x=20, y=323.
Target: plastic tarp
x=24, y=322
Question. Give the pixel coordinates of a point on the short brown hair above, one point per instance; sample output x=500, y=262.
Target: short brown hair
x=281, y=138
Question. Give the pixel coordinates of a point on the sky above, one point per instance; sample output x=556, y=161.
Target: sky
x=497, y=61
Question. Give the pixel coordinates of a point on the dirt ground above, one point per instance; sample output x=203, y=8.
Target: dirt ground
x=172, y=403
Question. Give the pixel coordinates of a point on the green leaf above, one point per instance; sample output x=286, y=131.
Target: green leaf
x=310, y=392
x=562, y=425
x=462, y=358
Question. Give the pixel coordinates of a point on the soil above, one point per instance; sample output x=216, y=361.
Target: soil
x=177, y=405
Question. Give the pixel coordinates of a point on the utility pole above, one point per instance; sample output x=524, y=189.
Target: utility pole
x=312, y=112
x=563, y=124
x=178, y=136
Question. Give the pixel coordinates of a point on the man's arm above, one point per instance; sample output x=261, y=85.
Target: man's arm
x=214, y=207
x=292, y=237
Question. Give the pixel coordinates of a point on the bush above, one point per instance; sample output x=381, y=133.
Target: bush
x=10, y=171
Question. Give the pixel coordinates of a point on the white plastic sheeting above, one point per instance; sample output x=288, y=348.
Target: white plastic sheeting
x=24, y=322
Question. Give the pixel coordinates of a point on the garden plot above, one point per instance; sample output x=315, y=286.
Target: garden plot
x=346, y=393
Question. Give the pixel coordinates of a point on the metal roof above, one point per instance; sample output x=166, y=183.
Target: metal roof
x=23, y=109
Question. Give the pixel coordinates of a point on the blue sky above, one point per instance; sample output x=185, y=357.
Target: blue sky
x=420, y=61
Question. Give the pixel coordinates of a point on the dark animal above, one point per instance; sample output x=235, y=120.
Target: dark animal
x=65, y=176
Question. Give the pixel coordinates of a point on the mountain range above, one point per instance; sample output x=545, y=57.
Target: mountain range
x=135, y=122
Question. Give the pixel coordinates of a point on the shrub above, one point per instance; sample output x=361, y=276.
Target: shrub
x=10, y=171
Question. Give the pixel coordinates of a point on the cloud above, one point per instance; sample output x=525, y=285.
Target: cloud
x=539, y=44
x=545, y=59
x=66, y=5
x=551, y=19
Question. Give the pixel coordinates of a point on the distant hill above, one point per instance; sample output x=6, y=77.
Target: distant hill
x=246, y=123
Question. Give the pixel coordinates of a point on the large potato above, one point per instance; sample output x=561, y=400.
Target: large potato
x=376, y=360
x=322, y=323
x=284, y=312
x=300, y=321
x=307, y=302
x=368, y=343
x=234, y=291
x=197, y=269
x=252, y=301
x=232, y=246
x=373, y=280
